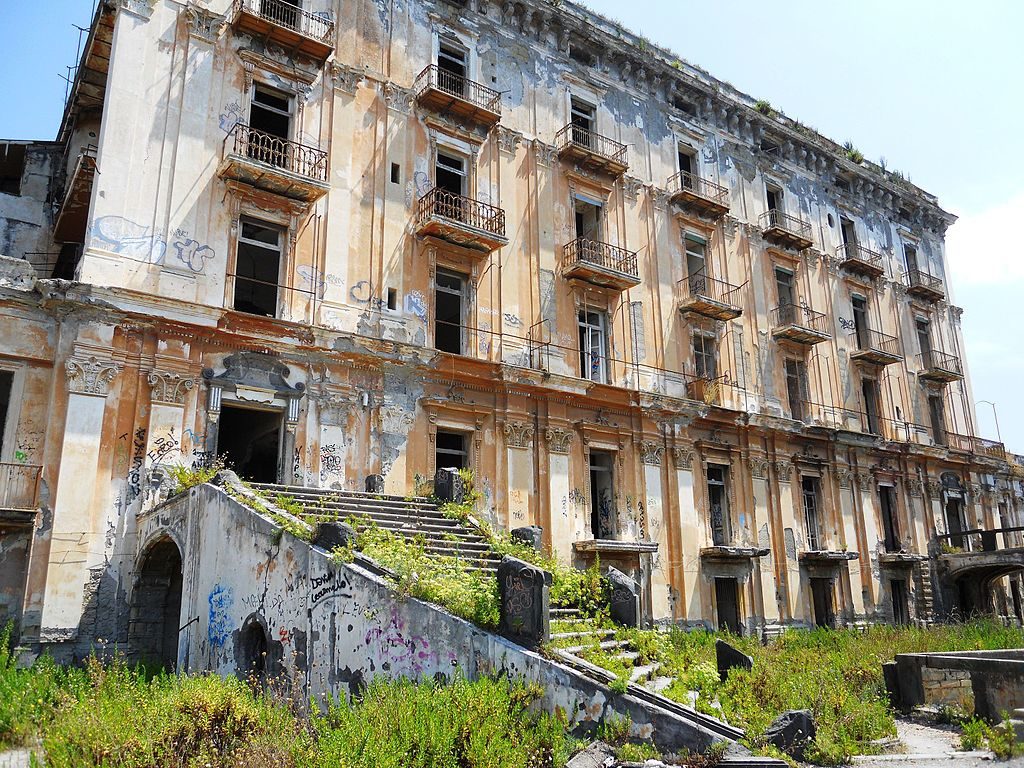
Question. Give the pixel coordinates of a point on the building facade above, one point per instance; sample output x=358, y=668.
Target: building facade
x=679, y=331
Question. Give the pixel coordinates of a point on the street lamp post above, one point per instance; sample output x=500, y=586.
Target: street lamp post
x=995, y=416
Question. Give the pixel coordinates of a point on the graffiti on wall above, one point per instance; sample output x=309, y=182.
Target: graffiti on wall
x=135, y=241
x=219, y=624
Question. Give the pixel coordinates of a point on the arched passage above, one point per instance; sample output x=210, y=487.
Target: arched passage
x=156, y=606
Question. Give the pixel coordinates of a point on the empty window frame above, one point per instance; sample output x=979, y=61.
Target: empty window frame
x=890, y=521
x=797, y=390
x=910, y=257
x=705, y=355
x=258, y=267
x=451, y=183
x=773, y=197
x=785, y=289
x=12, y=168
x=924, y=339
x=452, y=67
x=270, y=112
x=718, y=505
x=848, y=231
x=696, y=255
x=587, y=216
x=450, y=450
x=869, y=394
x=687, y=159
x=6, y=386
x=593, y=334
x=810, y=488
x=286, y=13
x=937, y=417
x=860, y=321
x=449, y=312
x=602, y=494
x=583, y=117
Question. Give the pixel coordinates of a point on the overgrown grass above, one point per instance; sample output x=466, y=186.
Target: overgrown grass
x=835, y=674
x=114, y=715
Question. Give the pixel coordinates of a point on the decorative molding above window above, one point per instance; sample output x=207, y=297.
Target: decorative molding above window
x=90, y=376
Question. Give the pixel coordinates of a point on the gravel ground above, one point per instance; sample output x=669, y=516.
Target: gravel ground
x=931, y=746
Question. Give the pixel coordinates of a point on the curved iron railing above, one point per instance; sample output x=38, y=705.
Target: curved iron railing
x=776, y=219
x=804, y=317
x=458, y=86
x=868, y=339
x=601, y=255
x=288, y=15
x=282, y=153
x=854, y=252
x=915, y=278
x=691, y=182
x=941, y=361
x=463, y=210
x=699, y=285
x=584, y=138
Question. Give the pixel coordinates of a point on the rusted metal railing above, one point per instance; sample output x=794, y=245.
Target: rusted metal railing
x=941, y=361
x=19, y=486
x=915, y=278
x=868, y=339
x=803, y=317
x=288, y=155
x=462, y=210
x=691, y=182
x=854, y=252
x=776, y=219
x=290, y=16
x=458, y=86
x=584, y=138
x=699, y=285
x=601, y=255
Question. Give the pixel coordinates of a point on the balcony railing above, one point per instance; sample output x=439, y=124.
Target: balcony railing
x=464, y=212
x=857, y=258
x=877, y=346
x=923, y=284
x=610, y=257
x=273, y=150
x=289, y=16
x=793, y=315
x=19, y=486
x=940, y=364
x=706, y=195
x=979, y=446
x=982, y=540
x=783, y=227
x=580, y=142
x=708, y=296
x=457, y=86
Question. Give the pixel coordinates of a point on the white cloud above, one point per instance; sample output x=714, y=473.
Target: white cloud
x=987, y=248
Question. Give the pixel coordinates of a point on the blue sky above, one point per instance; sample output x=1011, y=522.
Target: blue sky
x=935, y=87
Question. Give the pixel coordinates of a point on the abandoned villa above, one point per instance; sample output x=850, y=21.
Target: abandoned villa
x=345, y=244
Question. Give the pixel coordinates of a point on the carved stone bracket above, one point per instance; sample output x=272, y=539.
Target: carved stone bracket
x=169, y=388
x=559, y=440
x=631, y=187
x=933, y=488
x=784, y=470
x=915, y=487
x=845, y=477
x=397, y=98
x=758, y=467
x=203, y=24
x=90, y=376
x=508, y=140
x=547, y=154
x=518, y=434
x=345, y=78
x=142, y=9
x=682, y=457
x=651, y=452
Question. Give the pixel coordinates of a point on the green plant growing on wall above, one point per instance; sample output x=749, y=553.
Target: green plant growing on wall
x=853, y=154
x=764, y=107
x=185, y=478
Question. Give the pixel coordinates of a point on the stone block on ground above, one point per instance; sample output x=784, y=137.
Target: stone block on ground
x=375, y=483
x=791, y=732
x=525, y=604
x=530, y=535
x=625, y=598
x=330, y=536
x=729, y=658
x=597, y=755
x=448, y=485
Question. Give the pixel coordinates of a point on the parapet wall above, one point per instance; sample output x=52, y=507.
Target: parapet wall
x=988, y=683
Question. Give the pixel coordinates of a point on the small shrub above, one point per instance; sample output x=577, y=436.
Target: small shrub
x=185, y=478
x=1002, y=740
x=619, y=685
x=973, y=735
x=637, y=752
x=614, y=730
x=764, y=107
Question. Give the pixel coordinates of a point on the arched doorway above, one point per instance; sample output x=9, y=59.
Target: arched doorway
x=156, y=606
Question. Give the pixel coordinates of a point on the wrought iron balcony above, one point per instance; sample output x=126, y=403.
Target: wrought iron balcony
x=709, y=297
x=924, y=286
x=857, y=258
x=19, y=486
x=287, y=25
x=800, y=325
x=705, y=390
x=461, y=220
x=591, y=150
x=601, y=264
x=71, y=220
x=274, y=165
x=940, y=366
x=705, y=197
x=876, y=347
x=785, y=230
x=450, y=93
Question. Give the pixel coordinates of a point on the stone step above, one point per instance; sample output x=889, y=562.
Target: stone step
x=606, y=645
x=410, y=529
x=627, y=656
x=659, y=684
x=377, y=514
x=572, y=635
x=329, y=502
x=644, y=673
x=294, y=489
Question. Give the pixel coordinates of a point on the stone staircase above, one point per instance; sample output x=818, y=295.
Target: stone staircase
x=416, y=518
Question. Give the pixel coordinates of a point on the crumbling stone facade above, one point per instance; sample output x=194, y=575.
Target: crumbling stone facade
x=674, y=329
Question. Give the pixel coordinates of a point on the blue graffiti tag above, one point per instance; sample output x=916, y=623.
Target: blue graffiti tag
x=219, y=628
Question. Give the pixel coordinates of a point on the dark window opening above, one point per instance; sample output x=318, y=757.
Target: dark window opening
x=823, y=597
x=6, y=384
x=452, y=59
x=869, y=392
x=396, y=173
x=156, y=607
x=773, y=197
x=956, y=523
x=271, y=112
x=810, y=491
x=249, y=442
x=769, y=146
x=450, y=451
x=581, y=56
x=785, y=289
x=602, y=494
x=283, y=12
x=587, y=219
x=890, y=523
x=392, y=299
x=583, y=117
x=12, y=168
x=593, y=346
x=684, y=106
x=910, y=257
x=258, y=268
x=705, y=356
x=450, y=174
x=937, y=416
x=924, y=339
x=449, y=310
x=718, y=505
x=797, y=388
x=900, y=603
x=860, y=321
x=727, y=601
x=687, y=166
x=848, y=231
x=252, y=647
